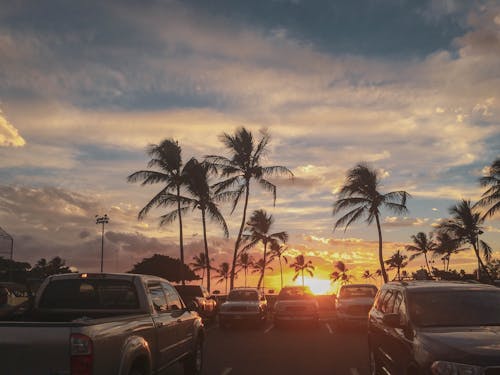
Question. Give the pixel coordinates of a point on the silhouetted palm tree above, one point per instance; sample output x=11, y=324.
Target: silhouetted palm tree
x=223, y=272
x=200, y=264
x=239, y=169
x=167, y=158
x=278, y=251
x=466, y=226
x=300, y=265
x=446, y=246
x=341, y=273
x=367, y=275
x=203, y=198
x=360, y=196
x=258, y=267
x=245, y=261
x=258, y=228
x=491, y=197
x=397, y=261
x=422, y=246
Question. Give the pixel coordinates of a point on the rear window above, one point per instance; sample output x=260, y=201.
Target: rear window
x=298, y=293
x=356, y=292
x=243, y=295
x=189, y=290
x=88, y=294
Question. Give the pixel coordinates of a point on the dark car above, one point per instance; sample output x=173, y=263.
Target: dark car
x=198, y=296
x=435, y=328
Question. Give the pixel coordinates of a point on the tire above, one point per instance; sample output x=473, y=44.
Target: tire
x=193, y=364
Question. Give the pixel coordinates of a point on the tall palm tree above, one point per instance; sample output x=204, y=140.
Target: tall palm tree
x=367, y=275
x=167, y=158
x=239, y=169
x=361, y=198
x=223, y=273
x=245, y=261
x=397, y=261
x=203, y=198
x=258, y=228
x=491, y=197
x=300, y=265
x=341, y=273
x=200, y=263
x=446, y=246
x=259, y=267
x=422, y=244
x=278, y=251
x=466, y=226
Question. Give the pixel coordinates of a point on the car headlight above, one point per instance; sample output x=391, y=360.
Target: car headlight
x=452, y=368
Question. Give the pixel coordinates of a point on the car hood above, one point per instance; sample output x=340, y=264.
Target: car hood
x=473, y=345
x=360, y=301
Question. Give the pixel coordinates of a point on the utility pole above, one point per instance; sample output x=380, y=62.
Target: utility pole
x=5, y=235
x=102, y=220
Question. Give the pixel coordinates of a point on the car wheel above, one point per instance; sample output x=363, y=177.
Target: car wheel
x=193, y=364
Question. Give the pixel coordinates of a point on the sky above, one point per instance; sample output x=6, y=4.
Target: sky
x=412, y=88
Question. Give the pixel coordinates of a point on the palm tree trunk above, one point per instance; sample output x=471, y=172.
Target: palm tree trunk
x=260, y=280
x=264, y=267
x=206, y=247
x=481, y=264
x=181, y=241
x=226, y=285
x=302, y=271
x=380, y=255
x=281, y=272
x=399, y=275
x=240, y=233
x=427, y=263
x=246, y=276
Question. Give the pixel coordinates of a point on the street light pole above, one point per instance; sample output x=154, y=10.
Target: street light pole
x=102, y=220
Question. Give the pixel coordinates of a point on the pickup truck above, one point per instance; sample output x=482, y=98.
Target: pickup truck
x=102, y=324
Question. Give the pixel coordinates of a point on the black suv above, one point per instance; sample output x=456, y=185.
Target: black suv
x=198, y=296
x=435, y=328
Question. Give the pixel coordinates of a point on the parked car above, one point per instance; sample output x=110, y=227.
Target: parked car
x=433, y=327
x=198, y=295
x=102, y=324
x=353, y=303
x=243, y=304
x=295, y=304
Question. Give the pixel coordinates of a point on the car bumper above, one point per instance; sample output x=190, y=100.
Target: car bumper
x=295, y=318
x=239, y=316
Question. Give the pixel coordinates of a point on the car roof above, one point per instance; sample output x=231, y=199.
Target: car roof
x=437, y=285
x=358, y=286
x=245, y=288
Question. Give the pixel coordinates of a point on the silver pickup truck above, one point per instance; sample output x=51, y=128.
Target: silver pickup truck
x=102, y=324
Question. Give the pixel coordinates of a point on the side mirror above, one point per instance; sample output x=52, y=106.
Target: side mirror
x=392, y=320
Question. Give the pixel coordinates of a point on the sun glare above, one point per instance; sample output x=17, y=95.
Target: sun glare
x=318, y=286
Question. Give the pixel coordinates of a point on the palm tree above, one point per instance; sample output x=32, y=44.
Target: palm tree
x=200, y=263
x=245, y=262
x=422, y=246
x=446, y=246
x=258, y=228
x=259, y=267
x=300, y=265
x=491, y=197
x=223, y=272
x=202, y=198
x=367, y=275
x=243, y=166
x=360, y=196
x=278, y=251
x=398, y=261
x=466, y=226
x=167, y=158
x=341, y=273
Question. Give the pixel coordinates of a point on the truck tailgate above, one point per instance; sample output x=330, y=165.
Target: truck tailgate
x=34, y=348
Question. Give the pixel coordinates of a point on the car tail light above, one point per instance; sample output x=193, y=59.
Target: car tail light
x=82, y=357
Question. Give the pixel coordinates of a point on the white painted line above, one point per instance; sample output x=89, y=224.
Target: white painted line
x=330, y=330
x=269, y=329
x=354, y=371
x=226, y=371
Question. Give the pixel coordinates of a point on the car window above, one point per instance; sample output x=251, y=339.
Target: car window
x=387, y=303
x=243, y=295
x=357, y=291
x=297, y=293
x=401, y=310
x=158, y=298
x=173, y=299
x=379, y=299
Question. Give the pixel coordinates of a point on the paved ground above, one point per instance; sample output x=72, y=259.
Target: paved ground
x=294, y=350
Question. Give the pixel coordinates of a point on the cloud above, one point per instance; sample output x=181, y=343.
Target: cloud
x=395, y=222
x=9, y=135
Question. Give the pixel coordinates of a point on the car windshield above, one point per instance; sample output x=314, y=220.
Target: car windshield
x=295, y=293
x=189, y=290
x=356, y=292
x=455, y=308
x=243, y=295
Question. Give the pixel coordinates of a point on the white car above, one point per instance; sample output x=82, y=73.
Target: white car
x=243, y=304
x=353, y=303
x=296, y=304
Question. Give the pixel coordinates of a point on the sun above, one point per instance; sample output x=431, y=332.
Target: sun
x=317, y=286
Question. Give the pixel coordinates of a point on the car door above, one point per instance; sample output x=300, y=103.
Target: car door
x=165, y=324
x=184, y=319
x=383, y=338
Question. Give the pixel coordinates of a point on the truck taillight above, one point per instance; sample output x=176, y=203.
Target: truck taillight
x=81, y=354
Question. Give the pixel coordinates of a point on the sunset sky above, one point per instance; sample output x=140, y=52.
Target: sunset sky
x=411, y=87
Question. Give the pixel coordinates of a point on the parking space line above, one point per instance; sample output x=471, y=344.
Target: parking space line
x=354, y=371
x=269, y=329
x=330, y=330
x=226, y=371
